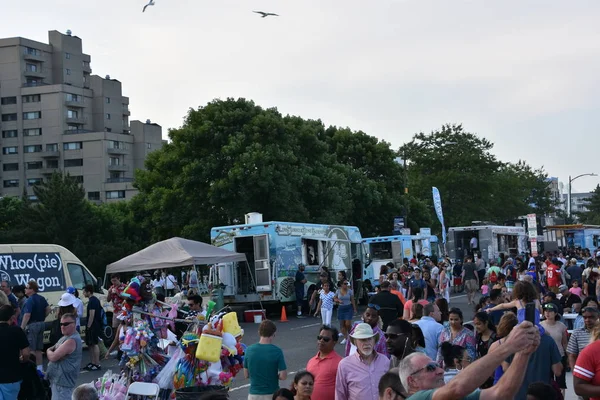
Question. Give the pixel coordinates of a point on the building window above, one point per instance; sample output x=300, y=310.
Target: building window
x=74, y=127
x=86, y=64
x=68, y=56
x=11, y=183
x=94, y=196
x=32, y=51
x=149, y=146
x=9, y=117
x=32, y=67
x=34, y=165
x=68, y=71
x=5, y=101
x=72, y=97
x=77, y=162
x=32, y=132
x=52, y=164
x=108, y=100
x=10, y=167
x=107, y=116
x=10, y=134
x=34, y=148
x=72, y=146
x=32, y=115
x=10, y=150
x=52, y=147
x=108, y=129
x=115, y=194
x=114, y=161
x=34, y=181
x=31, y=98
x=72, y=114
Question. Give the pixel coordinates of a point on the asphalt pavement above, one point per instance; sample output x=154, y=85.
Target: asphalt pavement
x=297, y=338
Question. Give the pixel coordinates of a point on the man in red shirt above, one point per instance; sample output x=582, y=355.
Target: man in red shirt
x=586, y=374
x=324, y=365
x=553, y=275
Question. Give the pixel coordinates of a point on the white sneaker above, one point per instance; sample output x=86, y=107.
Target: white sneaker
x=299, y=313
x=343, y=341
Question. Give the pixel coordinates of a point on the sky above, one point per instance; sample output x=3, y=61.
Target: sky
x=523, y=74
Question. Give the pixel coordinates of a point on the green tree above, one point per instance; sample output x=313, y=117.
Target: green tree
x=460, y=165
x=473, y=183
x=231, y=157
x=592, y=216
x=11, y=209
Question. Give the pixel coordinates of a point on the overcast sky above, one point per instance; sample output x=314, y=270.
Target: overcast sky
x=524, y=74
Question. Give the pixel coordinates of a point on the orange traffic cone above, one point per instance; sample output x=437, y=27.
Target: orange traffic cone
x=283, y=315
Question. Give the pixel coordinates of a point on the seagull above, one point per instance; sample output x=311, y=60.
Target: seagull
x=151, y=3
x=265, y=14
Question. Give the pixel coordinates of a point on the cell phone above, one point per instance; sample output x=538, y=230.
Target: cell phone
x=530, y=312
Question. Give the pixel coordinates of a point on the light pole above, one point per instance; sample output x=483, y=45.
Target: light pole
x=569, y=196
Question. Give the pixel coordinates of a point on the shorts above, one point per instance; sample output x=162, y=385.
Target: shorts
x=345, y=313
x=35, y=335
x=61, y=392
x=471, y=285
x=92, y=335
x=260, y=397
x=10, y=390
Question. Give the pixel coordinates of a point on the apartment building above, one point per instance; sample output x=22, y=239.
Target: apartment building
x=56, y=115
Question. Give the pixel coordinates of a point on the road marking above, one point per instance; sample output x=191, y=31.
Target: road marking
x=455, y=297
x=248, y=385
x=305, y=326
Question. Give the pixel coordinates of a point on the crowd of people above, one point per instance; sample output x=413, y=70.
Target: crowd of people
x=411, y=344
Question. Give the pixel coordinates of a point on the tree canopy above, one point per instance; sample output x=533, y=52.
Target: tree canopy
x=592, y=215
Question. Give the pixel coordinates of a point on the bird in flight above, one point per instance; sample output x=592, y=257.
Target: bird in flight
x=265, y=14
x=151, y=3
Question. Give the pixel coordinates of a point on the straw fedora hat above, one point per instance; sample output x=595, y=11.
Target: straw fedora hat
x=363, y=331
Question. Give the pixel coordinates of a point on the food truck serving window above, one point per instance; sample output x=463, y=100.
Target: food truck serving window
x=381, y=250
x=311, y=251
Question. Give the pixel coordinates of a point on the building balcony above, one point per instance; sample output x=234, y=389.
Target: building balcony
x=33, y=57
x=126, y=111
x=35, y=74
x=87, y=69
x=119, y=180
x=50, y=154
x=77, y=131
x=76, y=120
x=118, y=151
x=48, y=171
x=118, y=168
x=74, y=104
x=35, y=84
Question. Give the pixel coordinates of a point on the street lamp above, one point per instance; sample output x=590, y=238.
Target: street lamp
x=569, y=197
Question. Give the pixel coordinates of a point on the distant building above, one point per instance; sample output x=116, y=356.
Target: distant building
x=56, y=115
x=579, y=202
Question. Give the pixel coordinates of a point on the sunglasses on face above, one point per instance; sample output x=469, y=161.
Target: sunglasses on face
x=374, y=306
x=429, y=368
x=66, y=323
x=324, y=338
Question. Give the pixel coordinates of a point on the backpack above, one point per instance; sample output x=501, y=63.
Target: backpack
x=103, y=318
x=493, y=276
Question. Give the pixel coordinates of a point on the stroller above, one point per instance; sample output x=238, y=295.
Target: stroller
x=33, y=387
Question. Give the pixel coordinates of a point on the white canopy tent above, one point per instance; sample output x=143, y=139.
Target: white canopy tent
x=174, y=252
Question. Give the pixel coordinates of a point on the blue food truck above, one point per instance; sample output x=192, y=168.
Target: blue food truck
x=274, y=250
x=385, y=249
x=575, y=236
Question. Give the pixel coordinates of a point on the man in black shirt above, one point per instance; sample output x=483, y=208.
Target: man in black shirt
x=299, y=282
x=94, y=328
x=13, y=345
x=568, y=299
x=390, y=306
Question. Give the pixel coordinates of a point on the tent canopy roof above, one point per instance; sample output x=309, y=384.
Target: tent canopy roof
x=174, y=252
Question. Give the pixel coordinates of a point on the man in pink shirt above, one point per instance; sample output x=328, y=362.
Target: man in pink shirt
x=324, y=365
x=358, y=375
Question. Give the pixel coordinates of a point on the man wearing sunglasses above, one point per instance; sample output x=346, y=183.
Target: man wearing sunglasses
x=65, y=359
x=325, y=364
x=423, y=379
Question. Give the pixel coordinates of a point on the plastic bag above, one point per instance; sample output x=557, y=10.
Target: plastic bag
x=165, y=377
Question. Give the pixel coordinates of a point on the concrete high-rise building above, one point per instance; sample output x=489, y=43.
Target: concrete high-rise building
x=56, y=115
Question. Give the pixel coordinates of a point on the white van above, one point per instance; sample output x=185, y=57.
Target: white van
x=53, y=267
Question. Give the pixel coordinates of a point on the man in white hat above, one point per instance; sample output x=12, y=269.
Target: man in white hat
x=359, y=374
